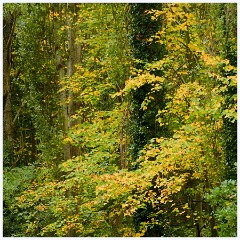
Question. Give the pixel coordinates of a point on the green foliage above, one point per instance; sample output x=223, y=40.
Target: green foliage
x=34, y=87
x=10, y=8
x=12, y=182
x=15, y=181
x=142, y=28
x=223, y=200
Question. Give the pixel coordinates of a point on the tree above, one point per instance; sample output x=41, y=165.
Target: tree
x=194, y=112
x=97, y=128
x=143, y=124
x=11, y=14
x=123, y=116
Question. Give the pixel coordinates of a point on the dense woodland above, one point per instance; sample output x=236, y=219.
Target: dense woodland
x=120, y=119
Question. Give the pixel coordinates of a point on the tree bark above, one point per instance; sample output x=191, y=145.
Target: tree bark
x=75, y=56
x=61, y=75
x=199, y=225
x=9, y=23
x=214, y=232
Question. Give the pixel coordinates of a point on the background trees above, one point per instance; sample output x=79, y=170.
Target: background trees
x=121, y=119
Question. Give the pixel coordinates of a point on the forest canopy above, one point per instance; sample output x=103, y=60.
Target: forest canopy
x=120, y=120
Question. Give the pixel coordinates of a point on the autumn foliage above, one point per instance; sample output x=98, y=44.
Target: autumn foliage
x=110, y=142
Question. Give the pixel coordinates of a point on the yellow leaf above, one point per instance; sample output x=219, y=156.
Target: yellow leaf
x=185, y=206
x=64, y=165
x=175, y=210
x=187, y=216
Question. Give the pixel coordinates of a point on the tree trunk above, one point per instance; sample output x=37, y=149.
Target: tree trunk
x=123, y=140
x=75, y=56
x=214, y=232
x=61, y=74
x=122, y=150
x=66, y=147
x=9, y=23
x=199, y=225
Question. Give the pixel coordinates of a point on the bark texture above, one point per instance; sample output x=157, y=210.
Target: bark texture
x=9, y=23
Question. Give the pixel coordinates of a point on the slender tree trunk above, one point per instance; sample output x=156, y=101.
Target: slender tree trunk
x=122, y=149
x=34, y=143
x=9, y=23
x=123, y=141
x=66, y=147
x=199, y=225
x=75, y=56
x=214, y=232
x=61, y=75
